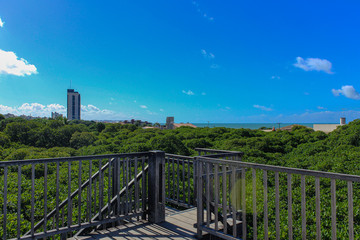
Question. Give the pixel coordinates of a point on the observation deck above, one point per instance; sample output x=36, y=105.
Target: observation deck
x=155, y=195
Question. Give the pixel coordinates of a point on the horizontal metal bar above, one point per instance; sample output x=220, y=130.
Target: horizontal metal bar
x=217, y=233
x=70, y=159
x=339, y=176
x=72, y=195
x=77, y=227
x=215, y=150
x=179, y=156
x=122, y=192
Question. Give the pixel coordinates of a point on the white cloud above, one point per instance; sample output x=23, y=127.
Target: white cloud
x=228, y=108
x=262, y=107
x=207, y=55
x=203, y=93
x=214, y=66
x=161, y=110
x=321, y=108
x=10, y=64
x=275, y=77
x=202, y=13
x=348, y=91
x=89, y=112
x=143, y=106
x=311, y=64
x=189, y=92
x=33, y=109
x=1, y=23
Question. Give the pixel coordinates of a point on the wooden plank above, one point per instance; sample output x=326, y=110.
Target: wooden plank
x=254, y=204
x=333, y=209
x=217, y=192
x=277, y=206
x=207, y=192
x=234, y=200
x=199, y=199
x=5, y=203
x=19, y=203
x=350, y=210
x=290, y=220
x=318, y=217
x=32, y=198
x=303, y=208
x=266, y=218
x=224, y=194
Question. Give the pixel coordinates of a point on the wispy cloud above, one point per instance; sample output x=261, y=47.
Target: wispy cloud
x=314, y=64
x=10, y=64
x=202, y=13
x=262, y=107
x=203, y=93
x=348, y=91
x=40, y=110
x=188, y=92
x=161, y=110
x=207, y=55
x=143, y=106
x=321, y=108
x=1, y=23
x=275, y=77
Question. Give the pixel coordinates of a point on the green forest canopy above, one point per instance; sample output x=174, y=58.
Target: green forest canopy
x=302, y=147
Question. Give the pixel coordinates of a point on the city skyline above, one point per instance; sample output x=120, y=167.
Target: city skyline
x=196, y=60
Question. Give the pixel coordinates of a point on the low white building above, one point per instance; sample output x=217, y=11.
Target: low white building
x=326, y=128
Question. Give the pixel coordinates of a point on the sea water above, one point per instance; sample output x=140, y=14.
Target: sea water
x=250, y=125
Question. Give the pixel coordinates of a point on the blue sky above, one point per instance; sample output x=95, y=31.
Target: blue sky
x=217, y=61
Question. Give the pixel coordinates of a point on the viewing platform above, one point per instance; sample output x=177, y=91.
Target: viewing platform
x=177, y=225
x=155, y=195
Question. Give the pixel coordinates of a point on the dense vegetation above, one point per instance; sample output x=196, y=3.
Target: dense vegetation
x=302, y=148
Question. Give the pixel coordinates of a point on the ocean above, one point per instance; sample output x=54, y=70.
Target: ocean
x=250, y=125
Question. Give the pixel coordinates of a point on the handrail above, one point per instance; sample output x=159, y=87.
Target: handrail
x=227, y=193
x=120, y=194
x=69, y=159
x=63, y=203
x=314, y=173
x=215, y=150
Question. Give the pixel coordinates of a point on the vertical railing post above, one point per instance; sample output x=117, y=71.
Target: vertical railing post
x=199, y=200
x=156, y=186
x=116, y=183
x=195, y=182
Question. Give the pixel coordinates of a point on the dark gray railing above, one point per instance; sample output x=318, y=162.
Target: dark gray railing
x=269, y=195
x=180, y=175
x=179, y=180
x=61, y=196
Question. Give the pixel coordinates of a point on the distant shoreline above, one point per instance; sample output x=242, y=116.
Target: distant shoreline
x=250, y=125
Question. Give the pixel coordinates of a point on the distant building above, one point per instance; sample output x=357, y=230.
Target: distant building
x=73, y=105
x=55, y=115
x=170, y=123
x=327, y=128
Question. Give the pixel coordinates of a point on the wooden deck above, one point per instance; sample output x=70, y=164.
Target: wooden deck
x=178, y=225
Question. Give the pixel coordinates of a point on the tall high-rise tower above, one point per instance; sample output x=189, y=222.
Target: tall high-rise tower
x=73, y=105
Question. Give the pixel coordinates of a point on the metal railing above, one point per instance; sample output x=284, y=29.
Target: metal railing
x=180, y=175
x=179, y=180
x=61, y=196
x=248, y=200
